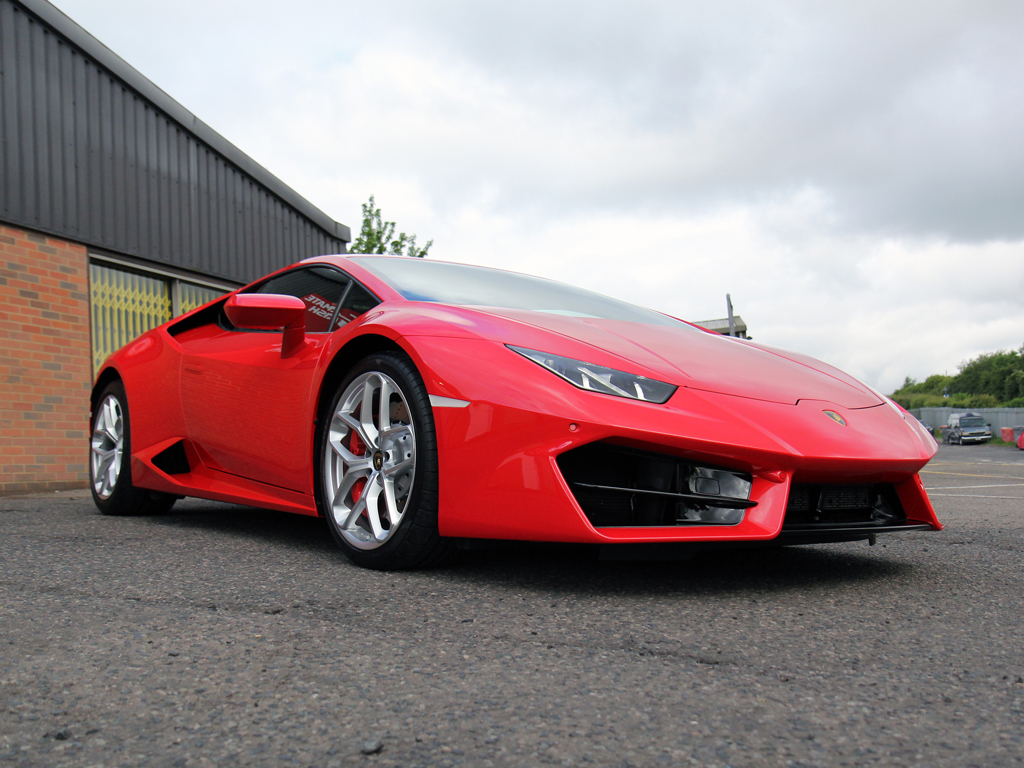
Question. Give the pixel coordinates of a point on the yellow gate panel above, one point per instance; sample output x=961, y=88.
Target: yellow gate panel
x=124, y=306
x=191, y=296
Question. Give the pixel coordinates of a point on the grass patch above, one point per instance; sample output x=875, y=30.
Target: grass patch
x=999, y=441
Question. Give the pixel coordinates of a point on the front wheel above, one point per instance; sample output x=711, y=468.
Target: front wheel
x=110, y=475
x=377, y=476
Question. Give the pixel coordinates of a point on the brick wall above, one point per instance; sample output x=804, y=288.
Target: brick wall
x=45, y=362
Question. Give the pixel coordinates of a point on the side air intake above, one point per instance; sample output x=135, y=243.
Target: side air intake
x=173, y=461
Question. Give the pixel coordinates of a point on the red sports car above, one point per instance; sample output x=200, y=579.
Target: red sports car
x=414, y=403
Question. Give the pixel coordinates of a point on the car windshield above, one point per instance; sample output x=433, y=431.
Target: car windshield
x=973, y=421
x=463, y=284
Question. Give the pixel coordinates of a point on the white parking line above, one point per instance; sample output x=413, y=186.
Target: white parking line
x=967, y=474
x=978, y=496
x=957, y=487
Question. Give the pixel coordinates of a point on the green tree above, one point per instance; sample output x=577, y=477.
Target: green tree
x=990, y=374
x=378, y=236
x=984, y=381
x=936, y=384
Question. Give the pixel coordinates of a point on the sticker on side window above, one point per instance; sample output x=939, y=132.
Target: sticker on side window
x=319, y=312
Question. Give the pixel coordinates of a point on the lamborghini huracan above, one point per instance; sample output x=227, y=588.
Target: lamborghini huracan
x=415, y=403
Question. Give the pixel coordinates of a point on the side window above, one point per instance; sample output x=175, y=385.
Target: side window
x=357, y=301
x=319, y=287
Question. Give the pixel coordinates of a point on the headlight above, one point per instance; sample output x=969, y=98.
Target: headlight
x=597, y=378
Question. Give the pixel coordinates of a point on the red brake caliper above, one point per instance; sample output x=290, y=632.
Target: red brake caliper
x=357, y=490
x=358, y=448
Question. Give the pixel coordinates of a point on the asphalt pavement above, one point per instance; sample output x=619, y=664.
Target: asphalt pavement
x=225, y=635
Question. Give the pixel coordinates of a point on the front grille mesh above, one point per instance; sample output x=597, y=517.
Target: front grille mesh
x=838, y=505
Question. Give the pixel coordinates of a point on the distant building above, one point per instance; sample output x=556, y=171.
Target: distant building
x=119, y=209
x=722, y=326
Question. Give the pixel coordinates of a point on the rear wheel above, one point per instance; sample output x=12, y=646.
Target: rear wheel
x=110, y=476
x=377, y=469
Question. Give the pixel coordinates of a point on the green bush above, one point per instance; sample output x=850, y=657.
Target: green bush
x=1000, y=374
x=933, y=385
x=990, y=380
x=980, y=401
x=920, y=401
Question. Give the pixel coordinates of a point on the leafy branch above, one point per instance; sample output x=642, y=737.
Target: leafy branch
x=378, y=236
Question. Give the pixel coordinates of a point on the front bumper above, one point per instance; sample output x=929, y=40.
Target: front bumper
x=498, y=457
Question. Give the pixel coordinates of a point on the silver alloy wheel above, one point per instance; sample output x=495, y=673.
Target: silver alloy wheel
x=369, y=460
x=106, y=446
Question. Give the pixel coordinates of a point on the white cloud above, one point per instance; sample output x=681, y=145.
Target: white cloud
x=881, y=310
x=851, y=173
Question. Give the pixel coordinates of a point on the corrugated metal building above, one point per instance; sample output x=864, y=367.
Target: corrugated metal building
x=118, y=210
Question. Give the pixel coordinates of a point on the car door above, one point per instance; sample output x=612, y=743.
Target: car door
x=246, y=405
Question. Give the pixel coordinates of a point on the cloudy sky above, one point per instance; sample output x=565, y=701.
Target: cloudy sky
x=849, y=172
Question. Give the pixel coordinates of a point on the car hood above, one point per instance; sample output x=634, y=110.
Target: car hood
x=700, y=360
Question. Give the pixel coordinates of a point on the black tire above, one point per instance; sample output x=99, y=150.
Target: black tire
x=414, y=542
x=118, y=496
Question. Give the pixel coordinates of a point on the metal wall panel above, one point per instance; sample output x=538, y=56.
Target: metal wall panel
x=86, y=156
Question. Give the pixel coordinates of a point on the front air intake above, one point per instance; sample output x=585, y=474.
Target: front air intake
x=617, y=487
x=834, y=506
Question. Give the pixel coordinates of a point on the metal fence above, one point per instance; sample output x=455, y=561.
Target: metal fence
x=127, y=303
x=997, y=417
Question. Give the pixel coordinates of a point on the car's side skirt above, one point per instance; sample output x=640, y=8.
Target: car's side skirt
x=203, y=480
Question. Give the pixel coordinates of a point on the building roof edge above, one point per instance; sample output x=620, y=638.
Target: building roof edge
x=83, y=40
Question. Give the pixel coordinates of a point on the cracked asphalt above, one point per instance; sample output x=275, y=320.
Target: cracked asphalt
x=225, y=635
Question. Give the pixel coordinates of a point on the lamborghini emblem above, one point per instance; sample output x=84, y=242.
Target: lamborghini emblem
x=835, y=417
